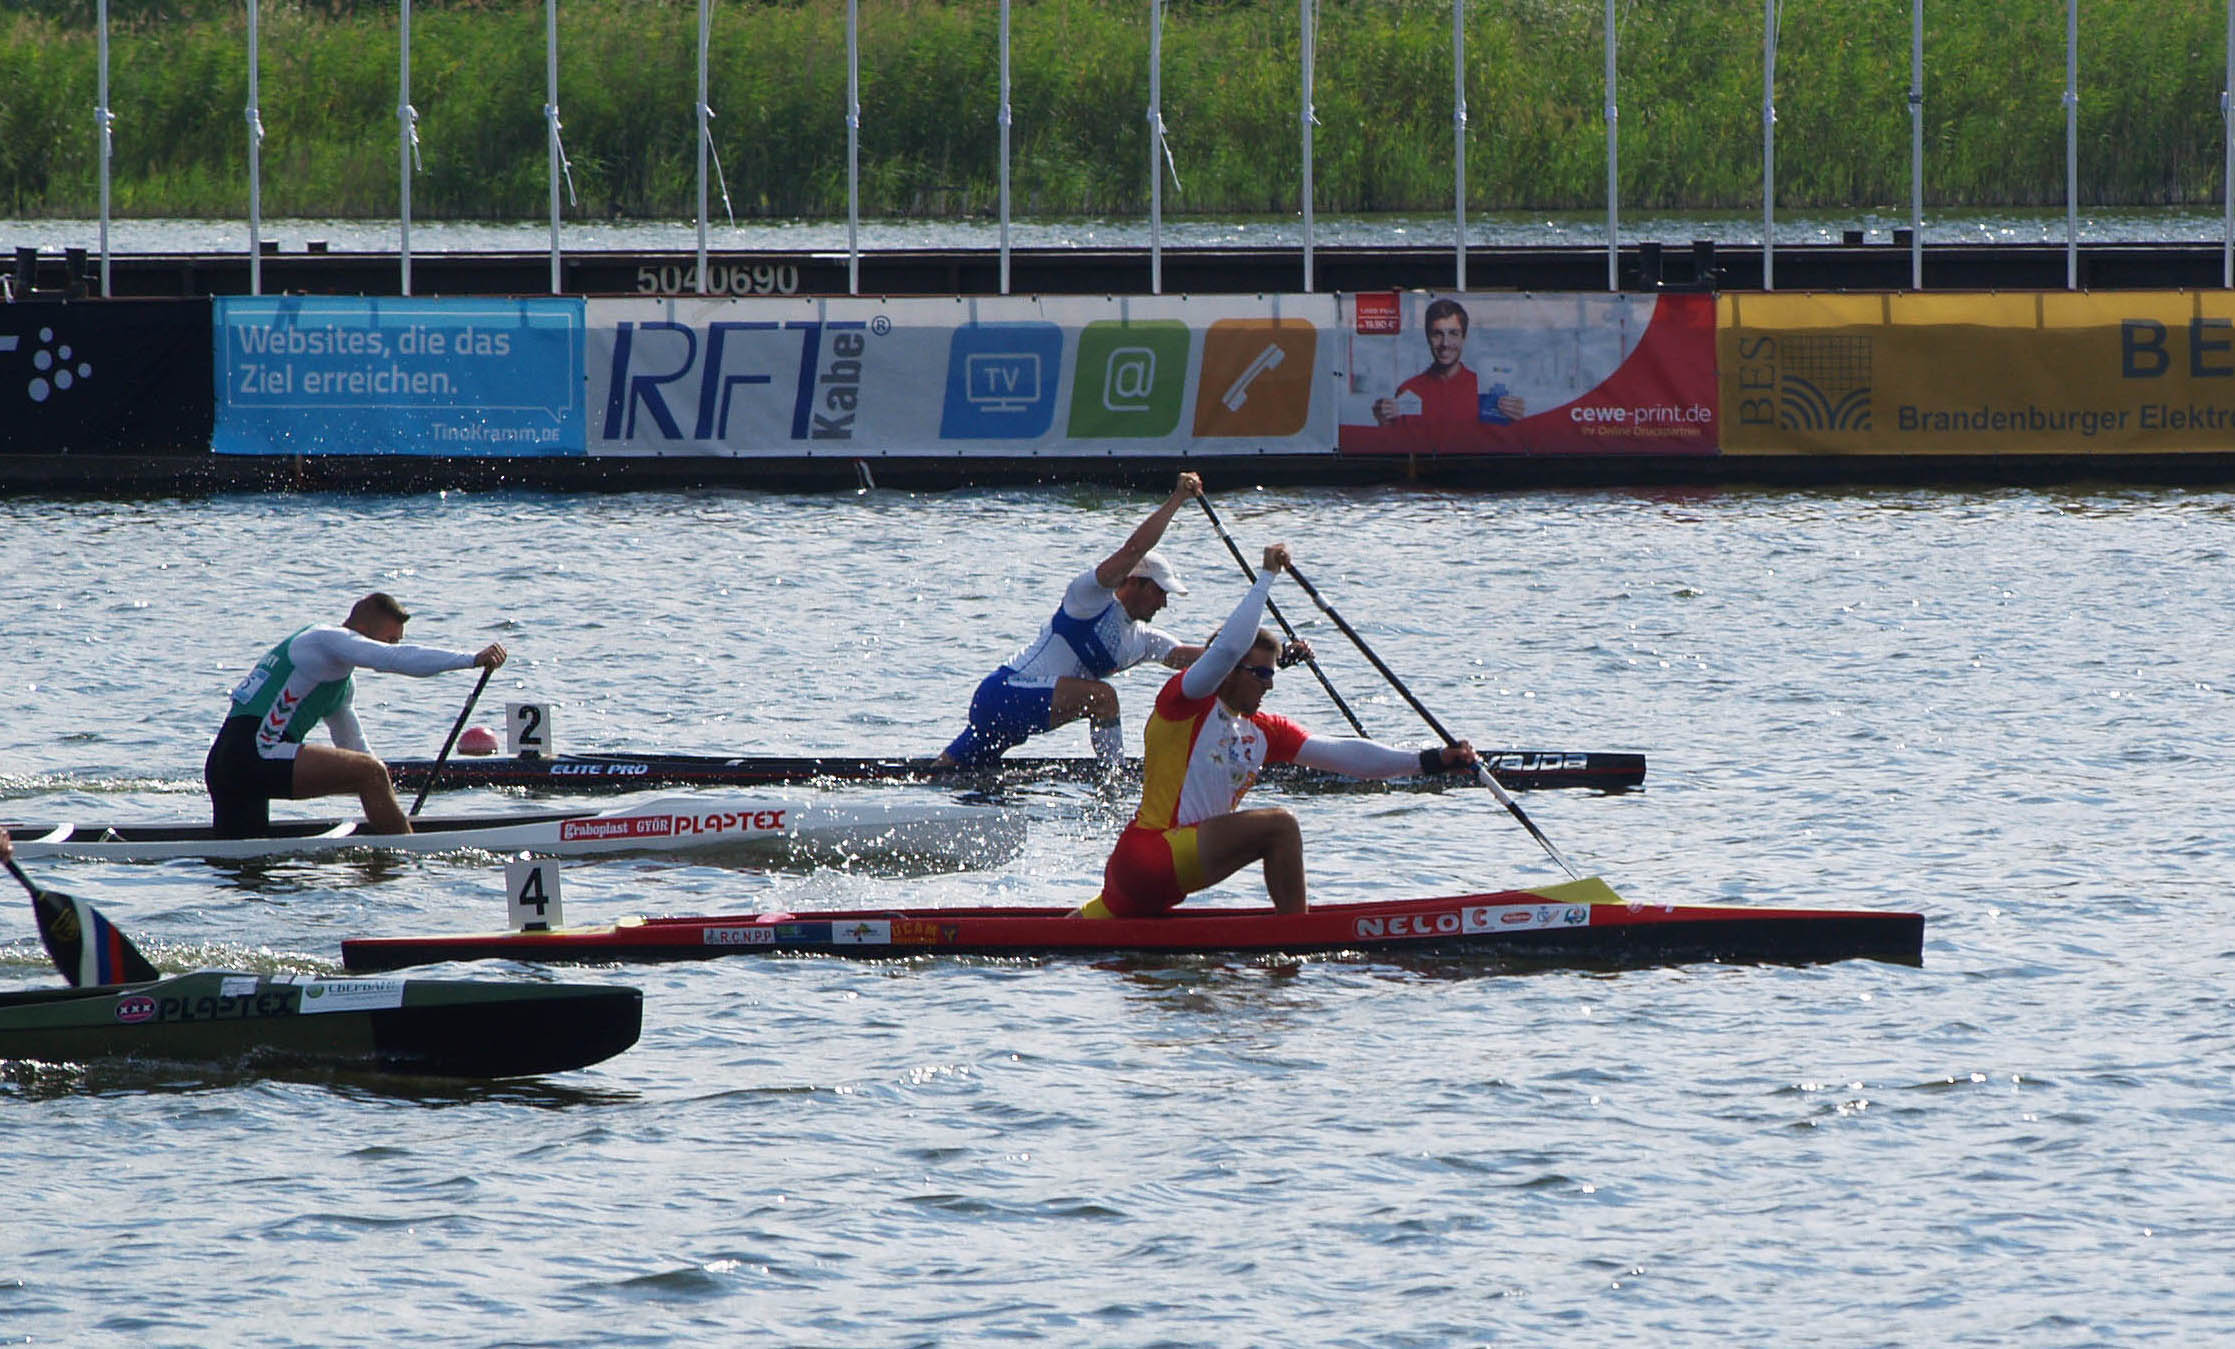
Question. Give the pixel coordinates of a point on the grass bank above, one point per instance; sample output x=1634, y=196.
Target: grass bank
x=1690, y=101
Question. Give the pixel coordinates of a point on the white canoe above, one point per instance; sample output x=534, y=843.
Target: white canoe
x=800, y=828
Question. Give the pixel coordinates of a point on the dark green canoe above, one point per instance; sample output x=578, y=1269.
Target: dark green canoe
x=437, y=1027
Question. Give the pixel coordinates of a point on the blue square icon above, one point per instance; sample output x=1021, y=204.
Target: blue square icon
x=1001, y=381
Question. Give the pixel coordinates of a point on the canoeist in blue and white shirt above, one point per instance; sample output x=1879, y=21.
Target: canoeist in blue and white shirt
x=259, y=753
x=1101, y=627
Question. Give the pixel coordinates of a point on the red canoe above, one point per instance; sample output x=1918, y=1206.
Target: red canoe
x=1579, y=922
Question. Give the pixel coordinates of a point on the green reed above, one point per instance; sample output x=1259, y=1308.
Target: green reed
x=1690, y=100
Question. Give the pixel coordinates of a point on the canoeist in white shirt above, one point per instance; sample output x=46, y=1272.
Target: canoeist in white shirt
x=259, y=753
x=1101, y=627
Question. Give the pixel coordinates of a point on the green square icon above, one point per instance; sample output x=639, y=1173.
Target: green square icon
x=1131, y=379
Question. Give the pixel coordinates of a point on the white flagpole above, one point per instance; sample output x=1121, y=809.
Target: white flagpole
x=704, y=131
x=2072, y=145
x=105, y=119
x=1004, y=118
x=255, y=166
x=407, y=134
x=551, y=125
x=1917, y=144
x=853, y=148
x=1459, y=141
x=1613, y=166
x=1769, y=143
x=1311, y=40
x=1156, y=146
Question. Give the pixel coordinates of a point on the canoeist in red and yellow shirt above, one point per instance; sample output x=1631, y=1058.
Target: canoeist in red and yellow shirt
x=1201, y=751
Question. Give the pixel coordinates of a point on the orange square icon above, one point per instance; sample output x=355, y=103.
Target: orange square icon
x=1256, y=377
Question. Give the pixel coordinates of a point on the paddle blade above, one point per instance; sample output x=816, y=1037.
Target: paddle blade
x=1588, y=890
x=86, y=946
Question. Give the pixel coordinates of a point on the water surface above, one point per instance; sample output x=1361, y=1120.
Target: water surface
x=2003, y=708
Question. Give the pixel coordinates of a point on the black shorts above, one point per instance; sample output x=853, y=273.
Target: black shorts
x=242, y=782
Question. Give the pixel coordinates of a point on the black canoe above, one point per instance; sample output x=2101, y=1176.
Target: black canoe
x=1516, y=770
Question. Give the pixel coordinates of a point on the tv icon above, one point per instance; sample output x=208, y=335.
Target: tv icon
x=1001, y=381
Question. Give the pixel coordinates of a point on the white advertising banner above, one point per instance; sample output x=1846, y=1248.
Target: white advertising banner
x=1009, y=376
x=1516, y=374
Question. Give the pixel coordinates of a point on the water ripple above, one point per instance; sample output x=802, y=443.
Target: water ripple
x=1989, y=706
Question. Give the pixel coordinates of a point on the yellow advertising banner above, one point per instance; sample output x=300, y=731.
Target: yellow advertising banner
x=2036, y=372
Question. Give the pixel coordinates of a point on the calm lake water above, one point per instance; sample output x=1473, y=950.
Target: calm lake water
x=2004, y=708
x=1574, y=229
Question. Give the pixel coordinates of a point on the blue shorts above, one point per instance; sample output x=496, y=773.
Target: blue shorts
x=1003, y=715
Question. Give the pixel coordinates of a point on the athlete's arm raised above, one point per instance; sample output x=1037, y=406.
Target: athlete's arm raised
x=1239, y=634
x=1118, y=565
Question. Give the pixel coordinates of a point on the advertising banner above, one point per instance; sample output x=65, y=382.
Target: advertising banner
x=1521, y=374
x=1978, y=374
x=105, y=377
x=1009, y=376
x=313, y=374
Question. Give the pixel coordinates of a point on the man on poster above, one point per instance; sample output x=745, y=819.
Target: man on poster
x=1446, y=394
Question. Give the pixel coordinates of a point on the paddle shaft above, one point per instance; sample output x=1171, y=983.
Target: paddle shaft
x=1279, y=617
x=1482, y=770
x=26, y=881
x=435, y=774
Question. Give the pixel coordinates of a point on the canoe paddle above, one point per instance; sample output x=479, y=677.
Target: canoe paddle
x=1278, y=616
x=1482, y=770
x=457, y=726
x=83, y=944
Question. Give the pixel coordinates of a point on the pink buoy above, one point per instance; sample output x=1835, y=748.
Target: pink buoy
x=478, y=740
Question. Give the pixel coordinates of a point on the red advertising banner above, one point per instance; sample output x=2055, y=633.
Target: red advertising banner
x=1521, y=374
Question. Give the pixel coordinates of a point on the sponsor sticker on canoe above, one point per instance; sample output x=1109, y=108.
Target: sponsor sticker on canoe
x=731, y=821
x=864, y=932
x=1445, y=924
x=920, y=932
x=350, y=995
x=759, y=935
x=1538, y=762
x=133, y=1008
x=236, y=986
x=624, y=826
x=1525, y=917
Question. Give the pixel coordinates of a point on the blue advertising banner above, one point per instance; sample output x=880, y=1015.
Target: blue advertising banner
x=310, y=374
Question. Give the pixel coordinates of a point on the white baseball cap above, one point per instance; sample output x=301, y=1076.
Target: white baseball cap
x=1153, y=567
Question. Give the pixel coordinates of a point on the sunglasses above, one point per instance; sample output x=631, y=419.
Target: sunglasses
x=1264, y=673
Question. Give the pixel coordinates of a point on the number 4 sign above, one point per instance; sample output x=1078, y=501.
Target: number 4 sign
x=531, y=889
